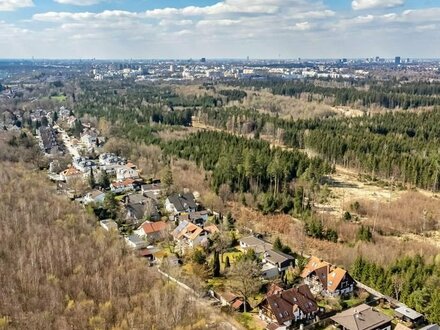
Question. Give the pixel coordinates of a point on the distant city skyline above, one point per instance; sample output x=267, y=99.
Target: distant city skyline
x=181, y=29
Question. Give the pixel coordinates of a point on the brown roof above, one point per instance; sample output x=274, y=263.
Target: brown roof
x=70, y=171
x=313, y=264
x=362, y=317
x=284, y=304
x=124, y=183
x=237, y=304
x=211, y=229
x=153, y=227
x=328, y=275
x=334, y=278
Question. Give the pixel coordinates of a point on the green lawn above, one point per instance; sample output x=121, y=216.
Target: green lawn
x=59, y=98
x=386, y=311
x=248, y=321
x=232, y=256
x=353, y=302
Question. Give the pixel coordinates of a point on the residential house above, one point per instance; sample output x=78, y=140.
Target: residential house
x=179, y=203
x=326, y=279
x=84, y=164
x=152, y=231
x=139, y=208
x=95, y=196
x=123, y=186
x=109, y=224
x=409, y=315
x=152, y=189
x=273, y=262
x=109, y=162
x=362, y=317
x=149, y=253
x=70, y=174
x=283, y=308
x=126, y=172
x=276, y=263
x=229, y=299
x=189, y=235
x=64, y=113
x=256, y=244
x=198, y=218
x=89, y=139
x=136, y=242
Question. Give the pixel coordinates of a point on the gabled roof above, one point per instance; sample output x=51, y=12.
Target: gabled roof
x=334, y=278
x=124, y=183
x=190, y=230
x=283, y=304
x=313, y=264
x=70, y=171
x=277, y=257
x=258, y=245
x=362, y=317
x=153, y=227
x=183, y=201
x=328, y=275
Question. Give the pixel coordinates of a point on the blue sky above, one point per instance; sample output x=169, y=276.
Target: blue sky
x=219, y=28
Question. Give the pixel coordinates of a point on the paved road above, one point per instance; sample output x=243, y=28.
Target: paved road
x=67, y=142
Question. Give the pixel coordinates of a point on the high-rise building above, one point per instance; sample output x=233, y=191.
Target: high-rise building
x=397, y=60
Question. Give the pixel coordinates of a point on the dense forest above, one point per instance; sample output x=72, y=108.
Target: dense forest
x=410, y=280
x=398, y=146
x=386, y=95
x=245, y=165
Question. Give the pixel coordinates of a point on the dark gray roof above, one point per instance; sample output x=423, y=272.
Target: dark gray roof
x=258, y=245
x=151, y=186
x=276, y=257
x=183, y=201
x=136, y=199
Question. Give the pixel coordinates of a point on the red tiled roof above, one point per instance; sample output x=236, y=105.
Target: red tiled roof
x=153, y=227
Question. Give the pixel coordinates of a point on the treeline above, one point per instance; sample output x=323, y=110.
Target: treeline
x=245, y=165
x=410, y=280
x=233, y=94
x=401, y=146
x=135, y=104
x=397, y=146
x=387, y=95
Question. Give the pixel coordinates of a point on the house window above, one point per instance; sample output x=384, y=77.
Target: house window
x=330, y=282
x=286, y=313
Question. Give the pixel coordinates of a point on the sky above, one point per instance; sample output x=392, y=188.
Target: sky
x=181, y=29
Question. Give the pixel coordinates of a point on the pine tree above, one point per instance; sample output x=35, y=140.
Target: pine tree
x=216, y=265
x=227, y=262
x=92, y=181
x=277, y=244
x=104, y=180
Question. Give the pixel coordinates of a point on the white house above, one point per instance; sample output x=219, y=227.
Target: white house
x=124, y=172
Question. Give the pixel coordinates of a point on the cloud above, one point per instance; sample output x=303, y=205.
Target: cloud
x=79, y=2
x=228, y=28
x=11, y=5
x=373, y=4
